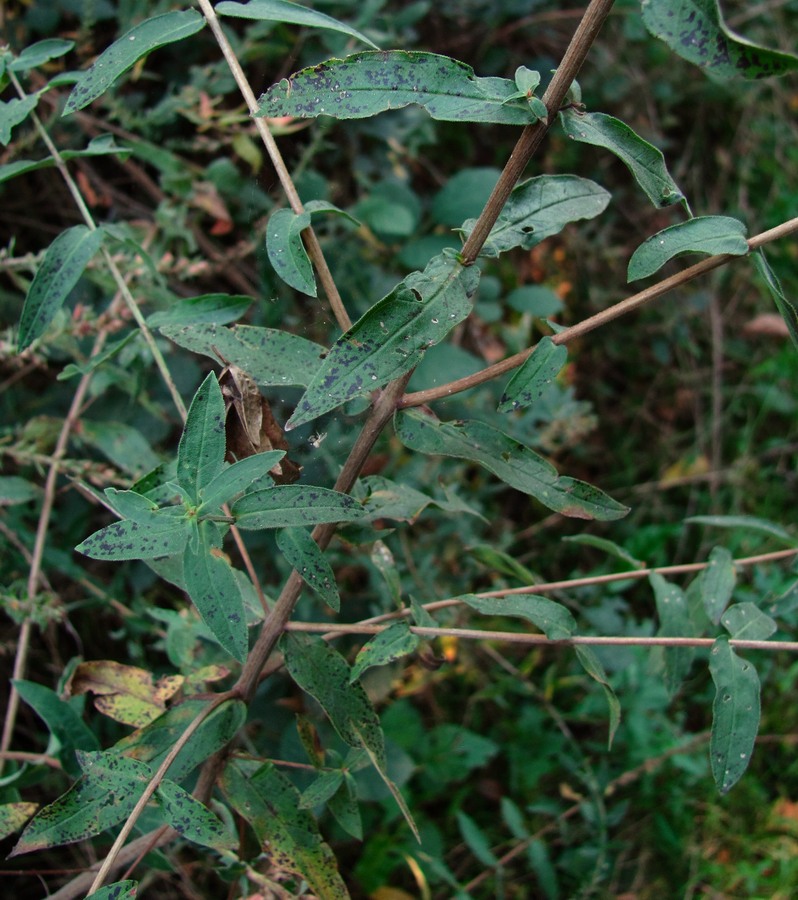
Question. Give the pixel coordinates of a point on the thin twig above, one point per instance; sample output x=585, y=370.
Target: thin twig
x=419, y=398
x=311, y=241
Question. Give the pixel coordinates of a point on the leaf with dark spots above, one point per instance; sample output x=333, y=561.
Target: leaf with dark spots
x=119, y=890
x=392, y=337
x=105, y=795
x=268, y=356
x=290, y=505
x=513, y=462
x=696, y=30
x=371, y=82
x=191, y=819
x=395, y=642
x=304, y=554
x=200, y=454
x=160, y=536
x=534, y=376
x=60, y=270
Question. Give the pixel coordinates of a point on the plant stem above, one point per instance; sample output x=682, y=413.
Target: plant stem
x=418, y=398
x=532, y=136
x=311, y=241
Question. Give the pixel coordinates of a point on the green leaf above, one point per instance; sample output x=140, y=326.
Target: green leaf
x=284, y=245
x=539, y=208
x=268, y=356
x=592, y=665
x=643, y=160
x=200, y=455
x=104, y=796
x=606, y=546
x=386, y=499
x=132, y=505
x=371, y=82
x=717, y=583
x=98, y=146
x=535, y=375
x=476, y=840
x=161, y=536
x=127, y=50
x=748, y=523
x=704, y=234
x=695, y=29
x=13, y=112
x=65, y=725
x=94, y=362
x=14, y=489
x=383, y=561
x=320, y=790
x=345, y=808
x=674, y=619
x=786, y=308
x=216, y=308
x=392, y=337
x=735, y=715
x=39, y=53
x=322, y=672
x=299, y=548
x=191, y=819
x=553, y=619
x=152, y=743
x=119, y=890
x=59, y=271
x=13, y=816
x=248, y=474
x=214, y=590
x=290, y=505
x=512, y=462
x=396, y=641
x=292, y=13
x=271, y=805
x=464, y=195
x=746, y=621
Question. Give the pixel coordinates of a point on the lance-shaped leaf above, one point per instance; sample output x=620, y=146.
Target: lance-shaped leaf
x=746, y=621
x=717, y=583
x=553, y=619
x=285, y=248
x=292, y=13
x=218, y=309
x=161, y=535
x=200, y=454
x=391, y=338
x=191, y=819
x=695, y=29
x=539, y=208
x=735, y=714
x=268, y=356
x=98, y=146
x=703, y=234
x=396, y=641
x=63, y=264
x=214, y=590
x=747, y=523
x=39, y=53
x=592, y=665
x=244, y=475
x=643, y=160
x=272, y=806
x=512, y=462
x=105, y=795
x=128, y=50
x=290, y=505
x=322, y=672
x=786, y=308
x=606, y=546
x=371, y=82
x=345, y=807
x=535, y=375
x=119, y=890
x=65, y=725
x=304, y=554
x=674, y=619
x=152, y=743
x=13, y=816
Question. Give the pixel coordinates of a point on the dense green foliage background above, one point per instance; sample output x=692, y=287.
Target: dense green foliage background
x=686, y=408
